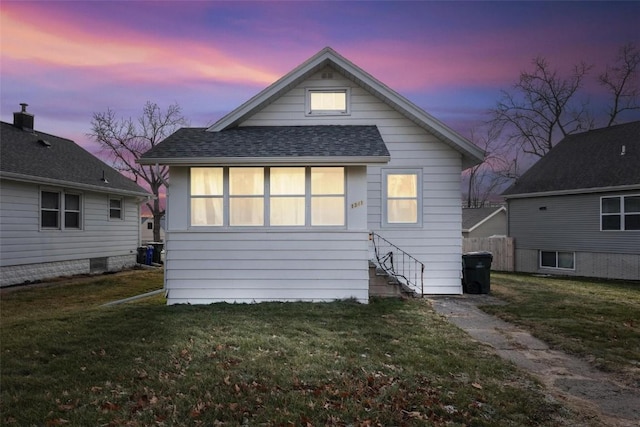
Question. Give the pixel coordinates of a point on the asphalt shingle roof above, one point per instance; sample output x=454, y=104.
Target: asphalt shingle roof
x=271, y=142
x=22, y=153
x=586, y=160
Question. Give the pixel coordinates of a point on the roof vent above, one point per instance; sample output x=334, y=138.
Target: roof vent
x=22, y=119
x=104, y=177
x=44, y=142
x=623, y=151
x=328, y=75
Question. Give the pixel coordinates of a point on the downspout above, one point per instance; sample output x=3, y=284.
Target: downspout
x=166, y=221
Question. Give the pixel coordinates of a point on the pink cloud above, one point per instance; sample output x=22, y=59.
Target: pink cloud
x=123, y=53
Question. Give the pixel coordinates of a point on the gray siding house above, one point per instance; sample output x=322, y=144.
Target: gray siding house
x=62, y=210
x=577, y=210
x=277, y=199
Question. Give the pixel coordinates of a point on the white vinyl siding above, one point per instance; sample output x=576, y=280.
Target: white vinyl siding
x=24, y=242
x=254, y=266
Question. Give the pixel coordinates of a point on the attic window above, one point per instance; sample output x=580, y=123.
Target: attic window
x=329, y=102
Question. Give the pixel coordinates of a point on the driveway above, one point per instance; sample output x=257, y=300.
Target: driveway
x=596, y=395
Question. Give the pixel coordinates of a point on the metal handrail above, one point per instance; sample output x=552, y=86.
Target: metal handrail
x=402, y=266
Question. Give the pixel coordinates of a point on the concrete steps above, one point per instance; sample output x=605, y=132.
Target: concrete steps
x=382, y=285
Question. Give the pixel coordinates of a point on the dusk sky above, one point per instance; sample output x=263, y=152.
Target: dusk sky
x=70, y=59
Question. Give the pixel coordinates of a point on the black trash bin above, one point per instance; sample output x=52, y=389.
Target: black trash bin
x=142, y=255
x=157, y=251
x=476, y=272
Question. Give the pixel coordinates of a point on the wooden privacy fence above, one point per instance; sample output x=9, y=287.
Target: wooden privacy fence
x=500, y=247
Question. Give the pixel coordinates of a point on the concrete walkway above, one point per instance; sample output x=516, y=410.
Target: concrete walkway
x=599, y=397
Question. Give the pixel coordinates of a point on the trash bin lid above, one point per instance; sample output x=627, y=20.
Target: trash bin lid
x=478, y=254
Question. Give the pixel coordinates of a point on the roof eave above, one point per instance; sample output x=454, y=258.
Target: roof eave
x=266, y=161
x=488, y=217
x=76, y=185
x=573, y=191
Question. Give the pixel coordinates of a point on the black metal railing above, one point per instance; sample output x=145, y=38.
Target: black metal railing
x=398, y=264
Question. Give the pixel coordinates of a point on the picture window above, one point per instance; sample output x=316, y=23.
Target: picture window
x=328, y=101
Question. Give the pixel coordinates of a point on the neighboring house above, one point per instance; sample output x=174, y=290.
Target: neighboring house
x=275, y=201
x=146, y=229
x=577, y=210
x=484, y=222
x=62, y=211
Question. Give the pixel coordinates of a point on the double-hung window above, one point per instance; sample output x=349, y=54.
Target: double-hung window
x=115, y=208
x=402, y=197
x=72, y=211
x=620, y=213
x=268, y=196
x=50, y=209
x=60, y=210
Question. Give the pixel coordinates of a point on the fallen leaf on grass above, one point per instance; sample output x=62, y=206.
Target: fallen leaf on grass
x=476, y=385
x=109, y=406
x=57, y=422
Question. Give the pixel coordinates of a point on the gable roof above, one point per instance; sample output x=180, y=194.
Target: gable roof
x=472, y=218
x=271, y=144
x=471, y=155
x=603, y=159
x=39, y=157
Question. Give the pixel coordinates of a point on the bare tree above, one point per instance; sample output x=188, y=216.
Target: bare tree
x=621, y=81
x=124, y=140
x=497, y=169
x=542, y=108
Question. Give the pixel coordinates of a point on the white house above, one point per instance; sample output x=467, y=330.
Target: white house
x=146, y=230
x=62, y=210
x=276, y=200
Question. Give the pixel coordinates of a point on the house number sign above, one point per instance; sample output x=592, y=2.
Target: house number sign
x=357, y=204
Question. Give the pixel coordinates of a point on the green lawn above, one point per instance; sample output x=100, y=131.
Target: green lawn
x=597, y=320
x=68, y=361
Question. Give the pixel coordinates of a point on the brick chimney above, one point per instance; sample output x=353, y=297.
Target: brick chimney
x=22, y=119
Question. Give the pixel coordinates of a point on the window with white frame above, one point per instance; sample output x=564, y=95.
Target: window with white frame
x=49, y=209
x=116, y=210
x=72, y=211
x=402, y=197
x=620, y=213
x=271, y=196
x=206, y=196
x=246, y=196
x=60, y=210
x=327, y=101
x=327, y=196
x=287, y=192
x=557, y=259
